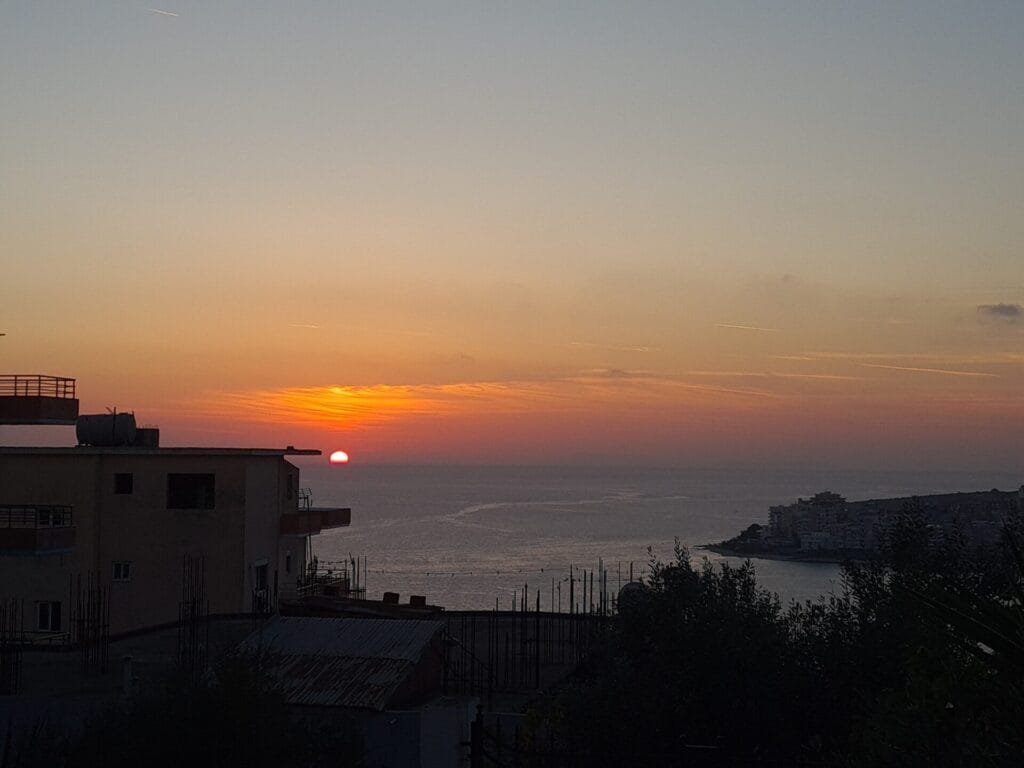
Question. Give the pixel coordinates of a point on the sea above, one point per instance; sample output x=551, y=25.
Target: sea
x=476, y=537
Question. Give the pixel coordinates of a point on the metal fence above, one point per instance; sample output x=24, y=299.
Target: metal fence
x=498, y=652
x=34, y=385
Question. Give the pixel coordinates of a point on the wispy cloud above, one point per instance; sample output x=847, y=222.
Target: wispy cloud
x=162, y=12
x=615, y=373
x=731, y=391
x=407, y=333
x=591, y=345
x=650, y=385
x=928, y=357
x=942, y=371
x=746, y=327
x=303, y=325
x=775, y=375
x=1009, y=313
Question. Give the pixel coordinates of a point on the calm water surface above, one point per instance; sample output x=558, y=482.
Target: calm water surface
x=468, y=536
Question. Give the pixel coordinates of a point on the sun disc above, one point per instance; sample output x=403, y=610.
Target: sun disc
x=339, y=457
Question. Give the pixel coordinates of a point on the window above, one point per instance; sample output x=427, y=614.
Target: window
x=287, y=562
x=260, y=576
x=48, y=614
x=122, y=570
x=192, y=491
x=124, y=482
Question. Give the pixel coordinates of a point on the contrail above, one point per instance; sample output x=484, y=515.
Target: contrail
x=591, y=345
x=744, y=327
x=162, y=13
x=932, y=370
x=774, y=375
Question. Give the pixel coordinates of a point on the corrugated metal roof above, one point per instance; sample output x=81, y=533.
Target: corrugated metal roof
x=342, y=662
x=340, y=681
x=356, y=638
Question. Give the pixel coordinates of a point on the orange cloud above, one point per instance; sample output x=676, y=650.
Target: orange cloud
x=636, y=415
x=348, y=407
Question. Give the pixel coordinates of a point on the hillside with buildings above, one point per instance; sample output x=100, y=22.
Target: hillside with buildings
x=828, y=527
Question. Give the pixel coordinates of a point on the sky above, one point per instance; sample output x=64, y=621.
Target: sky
x=680, y=234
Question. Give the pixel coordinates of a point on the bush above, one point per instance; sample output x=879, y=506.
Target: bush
x=705, y=668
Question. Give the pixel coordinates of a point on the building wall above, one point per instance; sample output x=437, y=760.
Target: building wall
x=266, y=500
x=40, y=479
x=240, y=530
x=424, y=680
x=290, y=569
x=140, y=528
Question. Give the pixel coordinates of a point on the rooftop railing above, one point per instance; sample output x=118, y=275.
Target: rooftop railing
x=22, y=385
x=331, y=583
x=33, y=516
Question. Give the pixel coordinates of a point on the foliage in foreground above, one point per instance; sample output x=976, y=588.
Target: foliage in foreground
x=706, y=668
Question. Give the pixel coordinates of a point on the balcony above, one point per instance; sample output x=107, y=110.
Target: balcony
x=34, y=399
x=310, y=521
x=318, y=582
x=36, y=530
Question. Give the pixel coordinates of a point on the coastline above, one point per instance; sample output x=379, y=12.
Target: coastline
x=796, y=556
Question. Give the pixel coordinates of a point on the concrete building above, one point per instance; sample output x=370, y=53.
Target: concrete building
x=125, y=518
x=827, y=521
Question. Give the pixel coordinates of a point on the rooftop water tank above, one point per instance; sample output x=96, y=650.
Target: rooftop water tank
x=106, y=429
x=147, y=437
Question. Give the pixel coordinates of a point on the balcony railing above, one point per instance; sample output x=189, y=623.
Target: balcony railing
x=330, y=583
x=33, y=516
x=27, y=529
x=35, y=399
x=34, y=385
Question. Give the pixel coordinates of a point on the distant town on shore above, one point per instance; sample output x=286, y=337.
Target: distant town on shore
x=828, y=528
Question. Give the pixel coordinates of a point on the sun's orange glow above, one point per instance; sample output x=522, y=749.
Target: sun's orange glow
x=356, y=408
x=701, y=414
x=339, y=457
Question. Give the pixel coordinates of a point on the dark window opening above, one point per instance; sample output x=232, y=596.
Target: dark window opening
x=287, y=562
x=261, y=576
x=124, y=482
x=49, y=617
x=122, y=571
x=193, y=491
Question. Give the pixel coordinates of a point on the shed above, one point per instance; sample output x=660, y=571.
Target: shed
x=369, y=664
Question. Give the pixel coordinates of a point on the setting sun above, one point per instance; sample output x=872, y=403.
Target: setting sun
x=339, y=457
